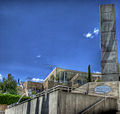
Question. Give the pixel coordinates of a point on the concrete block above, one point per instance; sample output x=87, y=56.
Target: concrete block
x=108, y=42
x=108, y=56
x=108, y=26
x=107, y=16
x=110, y=77
x=107, y=8
x=108, y=68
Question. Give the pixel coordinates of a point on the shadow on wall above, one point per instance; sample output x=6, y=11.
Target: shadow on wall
x=37, y=106
x=109, y=112
x=106, y=112
x=44, y=107
x=45, y=104
x=28, y=107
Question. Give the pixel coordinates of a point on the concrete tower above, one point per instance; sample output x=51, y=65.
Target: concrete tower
x=109, y=61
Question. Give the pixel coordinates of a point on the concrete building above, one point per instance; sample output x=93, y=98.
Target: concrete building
x=29, y=87
x=71, y=78
x=109, y=61
x=58, y=76
x=57, y=101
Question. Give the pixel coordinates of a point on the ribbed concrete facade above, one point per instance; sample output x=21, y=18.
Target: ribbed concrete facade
x=109, y=61
x=59, y=102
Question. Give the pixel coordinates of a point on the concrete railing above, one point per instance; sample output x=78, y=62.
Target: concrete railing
x=56, y=88
x=92, y=106
x=100, y=99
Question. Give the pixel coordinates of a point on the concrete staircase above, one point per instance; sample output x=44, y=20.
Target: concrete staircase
x=92, y=108
x=87, y=109
x=81, y=89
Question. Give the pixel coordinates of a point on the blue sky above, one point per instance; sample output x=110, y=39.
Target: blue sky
x=37, y=35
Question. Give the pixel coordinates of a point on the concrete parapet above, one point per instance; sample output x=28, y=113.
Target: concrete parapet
x=59, y=102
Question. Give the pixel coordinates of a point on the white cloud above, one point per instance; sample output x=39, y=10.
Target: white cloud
x=37, y=80
x=38, y=56
x=96, y=31
x=96, y=72
x=0, y=76
x=92, y=34
x=88, y=35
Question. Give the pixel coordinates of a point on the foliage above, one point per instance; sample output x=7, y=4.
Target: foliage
x=10, y=99
x=57, y=78
x=8, y=85
x=99, y=80
x=52, y=77
x=33, y=92
x=89, y=74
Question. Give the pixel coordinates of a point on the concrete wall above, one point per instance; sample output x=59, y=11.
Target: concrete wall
x=114, y=85
x=42, y=105
x=67, y=76
x=108, y=107
x=74, y=103
x=61, y=103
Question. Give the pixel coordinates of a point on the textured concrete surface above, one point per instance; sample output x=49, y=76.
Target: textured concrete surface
x=46, y=104
x=62, y=103
x=109, y=61
x=90, y=87
x=74, y=103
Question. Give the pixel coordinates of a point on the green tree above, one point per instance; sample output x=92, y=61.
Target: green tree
x=57, y=78
x=8, y=85
x=89, y=74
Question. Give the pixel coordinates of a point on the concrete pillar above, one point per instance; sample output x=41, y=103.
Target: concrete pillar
x=109, y=61
x=64, y=78
x=60, y=77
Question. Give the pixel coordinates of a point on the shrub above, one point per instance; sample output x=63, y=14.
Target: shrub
x=10, y=99
x=8, y=85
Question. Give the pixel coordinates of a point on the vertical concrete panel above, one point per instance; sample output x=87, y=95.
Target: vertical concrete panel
x=24, y=108
x=45, y=104
x=79, y=101
x=53, y=105
x=37, y=105
x=19, y=109
x=33, y=106
x=40, y=104
x=62, y=103
x=70, y=104
x=28, y=107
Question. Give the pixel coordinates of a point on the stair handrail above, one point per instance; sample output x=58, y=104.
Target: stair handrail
x=94, y=104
